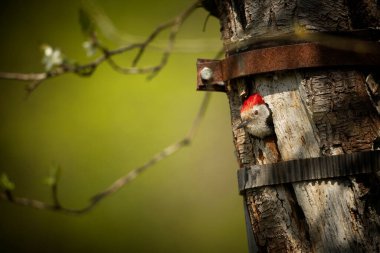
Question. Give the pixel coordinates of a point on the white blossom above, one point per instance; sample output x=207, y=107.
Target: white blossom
x=51, y=58
x=89, y=47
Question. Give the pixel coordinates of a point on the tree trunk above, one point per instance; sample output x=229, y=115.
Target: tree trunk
x=316, y=112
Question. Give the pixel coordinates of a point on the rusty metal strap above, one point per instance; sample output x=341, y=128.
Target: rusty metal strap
x=213, y=73
x=308, y=169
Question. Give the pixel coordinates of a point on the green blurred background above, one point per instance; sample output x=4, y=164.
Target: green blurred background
x=101, y=127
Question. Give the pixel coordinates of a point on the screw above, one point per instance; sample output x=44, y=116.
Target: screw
x=206, y=73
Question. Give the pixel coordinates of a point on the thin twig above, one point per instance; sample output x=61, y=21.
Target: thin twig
x=175, y=24
x=24, y=76
x=88, y=69
x=119, y=183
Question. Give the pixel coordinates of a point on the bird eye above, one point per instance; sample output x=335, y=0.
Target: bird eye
x=256, y=112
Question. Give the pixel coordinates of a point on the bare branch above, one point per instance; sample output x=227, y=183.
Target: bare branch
x=23, y=76
x=175, y=24
x=89, y=68
x=119, y=183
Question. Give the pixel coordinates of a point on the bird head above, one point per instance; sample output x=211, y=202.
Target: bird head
x=251, y=101
x=251, y=109
x=256, y=117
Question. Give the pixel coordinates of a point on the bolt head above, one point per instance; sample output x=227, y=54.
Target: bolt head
x=206, y=73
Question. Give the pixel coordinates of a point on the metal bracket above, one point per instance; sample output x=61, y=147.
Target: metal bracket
x=212, y=74
x=308, y=169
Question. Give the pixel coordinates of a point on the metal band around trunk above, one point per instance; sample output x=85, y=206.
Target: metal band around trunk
x=288, y=57
x=308, y=169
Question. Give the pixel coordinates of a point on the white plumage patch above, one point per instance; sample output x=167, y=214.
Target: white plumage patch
x=257, y=120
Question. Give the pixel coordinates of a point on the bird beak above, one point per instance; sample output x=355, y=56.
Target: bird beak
x=242, y=124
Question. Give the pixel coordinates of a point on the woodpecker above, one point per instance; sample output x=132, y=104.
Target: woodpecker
x=256, y=116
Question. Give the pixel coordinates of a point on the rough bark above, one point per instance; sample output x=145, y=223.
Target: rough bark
x=315, y=113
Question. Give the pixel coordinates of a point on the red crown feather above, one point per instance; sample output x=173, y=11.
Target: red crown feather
x=254, y=99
